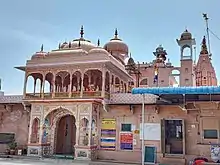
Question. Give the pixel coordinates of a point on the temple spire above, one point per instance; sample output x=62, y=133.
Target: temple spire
x=81, y=32
x=204, y=49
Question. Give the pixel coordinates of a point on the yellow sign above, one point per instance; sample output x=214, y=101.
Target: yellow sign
x=136, y=131
x=108, y=124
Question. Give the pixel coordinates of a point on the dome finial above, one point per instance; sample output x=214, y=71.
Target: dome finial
x=116, y=33
x=79, y=44
x=82, y=31
x=130, y=54
x=42, y=48
x=98, y=43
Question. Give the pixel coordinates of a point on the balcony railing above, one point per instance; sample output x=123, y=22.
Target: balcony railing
x=63, y=95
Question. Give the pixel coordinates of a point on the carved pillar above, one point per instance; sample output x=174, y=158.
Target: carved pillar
x=122, y=87
x=77, y=125
x=110, y=83
x=41, y=125
x=127, y=87
x=113, y=85
x=90, y=126
x=103, y=82
x=89, y=76
x=35, y=83
x=25, y=84
x=30, y=128
x=82, y=88
x=71, y=85
x=119, y=86
x=43, y=86
x=54, y=85
x=62, y=84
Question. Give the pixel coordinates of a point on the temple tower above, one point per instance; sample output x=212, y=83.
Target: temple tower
x=205, y=72
x=187, y=77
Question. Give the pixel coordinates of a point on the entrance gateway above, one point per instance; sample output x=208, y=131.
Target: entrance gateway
x=65, y=136
x=69, y=131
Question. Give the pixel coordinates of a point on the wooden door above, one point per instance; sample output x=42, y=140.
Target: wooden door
x=163, y=145
x=184, y=137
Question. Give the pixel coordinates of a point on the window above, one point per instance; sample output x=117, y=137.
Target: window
x=125, y=127
x=144, y=82
x=210, y=134
x=186, y=70
x=187, y=81
x=6, y=138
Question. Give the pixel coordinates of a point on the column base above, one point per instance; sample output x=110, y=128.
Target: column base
x=85, y=153
x=38, y=150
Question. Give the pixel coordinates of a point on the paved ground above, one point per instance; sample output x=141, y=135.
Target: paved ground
x=17, y=161
x=38, y=162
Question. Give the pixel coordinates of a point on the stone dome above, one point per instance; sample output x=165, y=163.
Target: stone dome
x=98, y=50
x=63, y=45
x=40, y=54
x=84, y=44
x=186, y=35
x=116, y=45
x=131, y=61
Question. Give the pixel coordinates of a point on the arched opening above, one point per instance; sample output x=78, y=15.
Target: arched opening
x=35, y=131
x=48, y=88
x=76, y=82
x=121, y=87
x=144, y=82
x=117, y=85
x=107, y=82
x=174, y=78
x=92, y=83
x=66, y=135
x=186, y=52
x=84, y=132
x=34, y=83
x=30, y=84
x=62, y=82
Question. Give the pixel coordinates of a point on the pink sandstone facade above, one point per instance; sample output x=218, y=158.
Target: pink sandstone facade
x=81, y=103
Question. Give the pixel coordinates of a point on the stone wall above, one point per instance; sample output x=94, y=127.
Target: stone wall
x=13, y=119
x=194, y=142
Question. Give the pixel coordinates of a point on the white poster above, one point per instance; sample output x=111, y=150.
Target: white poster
x=152, y=131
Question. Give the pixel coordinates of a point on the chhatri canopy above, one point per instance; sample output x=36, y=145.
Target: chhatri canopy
x=177, y=90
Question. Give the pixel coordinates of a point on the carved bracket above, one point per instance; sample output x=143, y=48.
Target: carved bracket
x=104, y=106
x=157, y=109
x=131, y=107
x=27, y=107
x=8, y=107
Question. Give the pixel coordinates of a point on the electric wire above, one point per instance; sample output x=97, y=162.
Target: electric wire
x=215, y=35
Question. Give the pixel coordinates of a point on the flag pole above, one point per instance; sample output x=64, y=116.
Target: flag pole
x=205, y=16
x=142, y=122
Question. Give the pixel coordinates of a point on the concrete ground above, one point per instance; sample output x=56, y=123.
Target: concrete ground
x=39, y=162
x=16, y=161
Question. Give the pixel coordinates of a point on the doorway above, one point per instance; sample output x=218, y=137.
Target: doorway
x=66, y=135
x=174, y=136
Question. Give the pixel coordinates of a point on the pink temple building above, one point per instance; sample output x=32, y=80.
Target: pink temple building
x=81, y=103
